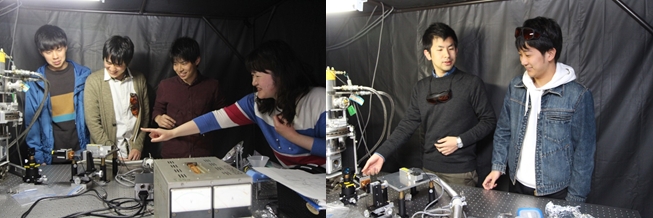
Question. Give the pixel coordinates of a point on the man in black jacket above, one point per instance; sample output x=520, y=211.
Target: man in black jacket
x=456, y=111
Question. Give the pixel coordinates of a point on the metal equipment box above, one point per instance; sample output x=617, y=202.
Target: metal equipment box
x=200, y=187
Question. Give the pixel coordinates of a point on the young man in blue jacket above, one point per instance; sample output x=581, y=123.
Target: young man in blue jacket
x=61, y=124
x=546, y=132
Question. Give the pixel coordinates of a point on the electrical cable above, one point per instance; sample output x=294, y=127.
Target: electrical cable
x=385, y=125
x=113, y=205
x=358, y=119
x=361, y=33
x=128, y=178
x=13, y=37
x=386, y=131
x=436, y=179
x=457, y=201
x=370, y=17
x=372, y=86
x=37, y=113
x=378, y=53
x=385, y=117
x=116, y=206
x=348, y=18
x=392, y=110
x=8, y=6
x=364, y=31
x=389, y=125
x=363, y=133
x=11, y=10
x=60, y=197
x=360, y=128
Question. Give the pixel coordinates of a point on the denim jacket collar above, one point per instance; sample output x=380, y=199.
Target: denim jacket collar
x=559, y=90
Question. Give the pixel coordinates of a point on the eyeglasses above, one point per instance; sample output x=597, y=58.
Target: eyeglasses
x=440, y=97
x=133, y=103
x=527, y=33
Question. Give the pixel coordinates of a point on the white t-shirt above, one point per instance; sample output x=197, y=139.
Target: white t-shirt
x=125, y=120
x=526, y=167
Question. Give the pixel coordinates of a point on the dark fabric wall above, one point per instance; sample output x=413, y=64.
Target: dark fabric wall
x=153, y=36
x=609, y=50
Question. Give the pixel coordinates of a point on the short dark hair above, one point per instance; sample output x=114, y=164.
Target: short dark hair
x=119, y=49
x=292, y=77
x=49, y=37
x=184, y=48
x=550, y=36
x=438, y=30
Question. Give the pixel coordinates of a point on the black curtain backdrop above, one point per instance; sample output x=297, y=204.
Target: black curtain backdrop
x=610, y=52
x=153, y=36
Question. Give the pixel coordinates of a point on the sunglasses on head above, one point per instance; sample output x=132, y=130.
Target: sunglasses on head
x=440, y=97
x=527, y=33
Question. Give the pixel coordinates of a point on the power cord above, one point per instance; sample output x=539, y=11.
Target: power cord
x=98, y=196
x=128, y=178
x=143, y=194
x=120, y=206
x=442, y=211
x=116, y=206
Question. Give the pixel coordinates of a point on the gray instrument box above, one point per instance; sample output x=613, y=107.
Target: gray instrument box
x=200, y=187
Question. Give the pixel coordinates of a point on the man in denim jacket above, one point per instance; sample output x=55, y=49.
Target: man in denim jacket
x=546, y=131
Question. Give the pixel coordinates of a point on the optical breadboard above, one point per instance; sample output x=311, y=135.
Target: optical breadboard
x=200, y=187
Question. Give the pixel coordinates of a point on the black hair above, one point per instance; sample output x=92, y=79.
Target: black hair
x=49, y=37
x=291, y=77
x=184, y=48
x=118, y=49
x=550, y=36
x=438, y=30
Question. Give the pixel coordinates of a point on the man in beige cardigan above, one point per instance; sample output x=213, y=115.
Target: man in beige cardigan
x=116, y=102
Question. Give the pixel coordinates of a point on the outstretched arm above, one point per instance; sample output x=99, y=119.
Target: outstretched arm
x=160, y=135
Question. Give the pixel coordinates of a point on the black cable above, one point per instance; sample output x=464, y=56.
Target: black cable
x=113, y=205
x=60, y=197
x=123, y=158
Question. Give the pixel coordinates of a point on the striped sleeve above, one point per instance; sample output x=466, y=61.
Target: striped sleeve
x=230, y=116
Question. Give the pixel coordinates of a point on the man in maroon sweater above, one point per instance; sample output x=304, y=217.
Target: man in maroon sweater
x=181, y=98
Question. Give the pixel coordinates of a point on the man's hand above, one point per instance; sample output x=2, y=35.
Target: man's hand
x=373, y=165
x=447, y=145
x=165, y=121
x=159, y=135
x=491, y=180
x=134, y=155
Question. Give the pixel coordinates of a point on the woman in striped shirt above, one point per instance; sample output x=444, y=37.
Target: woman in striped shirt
x=287, y=106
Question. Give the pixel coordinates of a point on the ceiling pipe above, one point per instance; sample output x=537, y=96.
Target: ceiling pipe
x=224, y=39
x=634, y=15
x=397, y=10
x=142, y=7
x=274, y=9
x=133, y=13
